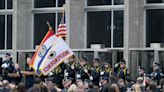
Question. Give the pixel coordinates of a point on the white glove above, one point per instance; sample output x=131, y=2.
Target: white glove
x=4, y=65
x=78, y=76
x=91, y=78
x=85, y=70
x=66, y=73
x=50, y=73
x=101, y=73
x=72, y=67
x=116, y=65
x=100, y=84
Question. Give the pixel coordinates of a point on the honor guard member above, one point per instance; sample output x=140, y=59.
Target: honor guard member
x=106, y=70
x=95, y=72
x=17, y=75
x=29, y=76
x=58, y=75
x=82, y=72
x=122, y=71
x=156, y=74
x=7, y=67
x=105, y=83
x=71, y=67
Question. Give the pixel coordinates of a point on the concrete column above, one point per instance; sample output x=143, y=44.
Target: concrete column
x=24, y=24
x=76, y=16
x=96, y=54
x=134, y=35
x=14, y=36
x=126, y=32
x=22, y=60
x=114, y=58
x=134, y=59
x=136, y=24
x=156, y=56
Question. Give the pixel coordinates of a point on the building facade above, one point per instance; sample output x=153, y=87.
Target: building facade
x=105, y=29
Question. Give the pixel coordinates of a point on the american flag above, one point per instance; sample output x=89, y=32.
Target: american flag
x=62, y=31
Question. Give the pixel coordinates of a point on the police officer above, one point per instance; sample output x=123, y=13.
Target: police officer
x=70, y=69
x=30, y=76
x=105, y=83
x=106, y=70
x=122, y=71
x=7, y=67
x=84, y=70
x=95, y=72
x=156, y=74
x=58, y=75
x=17, y=75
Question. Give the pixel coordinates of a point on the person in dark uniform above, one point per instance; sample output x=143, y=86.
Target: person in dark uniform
x=106, y=70
x=17, y=75
x=156, y=74
x=7, y=67
x=70, y=69
x=122, y=71
x=83, y=72
x=105, y=83
x=29, y=81
x=95, y=72
x=58, y=75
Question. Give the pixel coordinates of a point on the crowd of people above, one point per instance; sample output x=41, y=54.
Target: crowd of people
x=80, y=76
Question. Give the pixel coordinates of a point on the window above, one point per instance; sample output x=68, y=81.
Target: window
x=155, y=1
x=40, y=26
x=3, y=4
x=48, y=3
x=6, y=32
x=2, y=29
x=9, y=31
x=118, y=29
x=40, y=19
x=6, y=24
x=105, y=2
x=154, y=26
x=99, y=2
x=118, y=2
x=60, y=3
x=9, y=4
x=101, y=27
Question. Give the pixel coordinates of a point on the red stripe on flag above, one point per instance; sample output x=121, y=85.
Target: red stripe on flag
x=61, y=31
x=49, y=34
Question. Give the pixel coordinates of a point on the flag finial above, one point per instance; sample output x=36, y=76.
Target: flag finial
x=49, y=25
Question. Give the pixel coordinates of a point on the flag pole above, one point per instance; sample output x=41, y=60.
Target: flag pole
x=63, y=13
x=49, y=25
x=82, y=66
